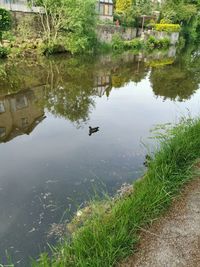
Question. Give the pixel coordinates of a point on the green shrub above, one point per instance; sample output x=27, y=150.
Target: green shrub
x=3, y=52
x=165, y=21
x=157, y=63
x=73, y=21
x=152, y=43
x=181, y=43
x=5, y=21
x=8, y=35
x=134, y=44
x=103, y=47
x=167, y=27
x=117, y=43
x=150, y=24
x=51, y=48
x=164, y=43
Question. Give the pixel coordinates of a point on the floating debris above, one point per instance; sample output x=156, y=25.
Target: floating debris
x=57, y=230
x=124, y=191
x=32, y=230
x=79, y=213
x=51, y=181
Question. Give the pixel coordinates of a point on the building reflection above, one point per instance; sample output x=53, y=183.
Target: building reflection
x=102, y=83
x=19, y=113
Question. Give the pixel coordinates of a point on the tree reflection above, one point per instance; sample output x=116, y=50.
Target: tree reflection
x=180, y=80
x=69, y=91
x=70, y=85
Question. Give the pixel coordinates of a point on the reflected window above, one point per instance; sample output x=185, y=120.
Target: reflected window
x=2, y=132
x=2, y=107
x=24, y=122
x=21, y=102
x=103, y=80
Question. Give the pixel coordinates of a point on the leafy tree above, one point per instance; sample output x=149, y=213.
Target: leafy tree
x=123, y=6
x=180, y=80
x=125, y=12
x=143, y=7
x=70, y=23
x=179, y=11
x=131, y=10
x=184, y=12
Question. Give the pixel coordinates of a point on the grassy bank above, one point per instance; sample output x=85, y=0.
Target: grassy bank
x=112, y=232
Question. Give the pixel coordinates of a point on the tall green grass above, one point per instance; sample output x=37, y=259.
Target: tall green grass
x=112, y=234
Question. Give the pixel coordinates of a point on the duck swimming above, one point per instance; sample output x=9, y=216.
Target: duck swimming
x=93, y=130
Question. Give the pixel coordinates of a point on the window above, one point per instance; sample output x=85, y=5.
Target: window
x=2, y=107
x=2, y=132
x=21, y=102
x=110, y=10
x=24, y=122
x=106, y=8
x=101, y=9
x=103, y=80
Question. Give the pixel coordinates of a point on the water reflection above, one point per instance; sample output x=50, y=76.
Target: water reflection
x=52, y=171
x=178, y=81
x=67, y=87
x=20, y=113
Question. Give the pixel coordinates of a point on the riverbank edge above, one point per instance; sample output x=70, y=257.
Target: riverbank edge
x=112, y=232
x=173, y=239
x=35, y=48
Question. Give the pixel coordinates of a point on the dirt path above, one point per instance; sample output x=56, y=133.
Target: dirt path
x=173, y=241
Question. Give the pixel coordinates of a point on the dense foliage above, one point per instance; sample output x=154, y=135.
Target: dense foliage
x=153, y=42
x=122, y=6
x=168, y=27
x=118, y=44
x=3, y=52
x=129, y=11
x=70, y=23
x=5, y=21
x=184, y=12
x=179, y=10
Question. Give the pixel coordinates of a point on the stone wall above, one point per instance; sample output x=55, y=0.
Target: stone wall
x=172, y=36
x=106, y=32
x=27, y=25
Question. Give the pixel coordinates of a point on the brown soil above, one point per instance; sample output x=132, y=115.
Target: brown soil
x=173, y=240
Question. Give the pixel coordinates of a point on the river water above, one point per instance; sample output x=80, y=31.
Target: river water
x=49, y=163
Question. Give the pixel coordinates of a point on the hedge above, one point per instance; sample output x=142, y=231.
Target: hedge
x=168, y=27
